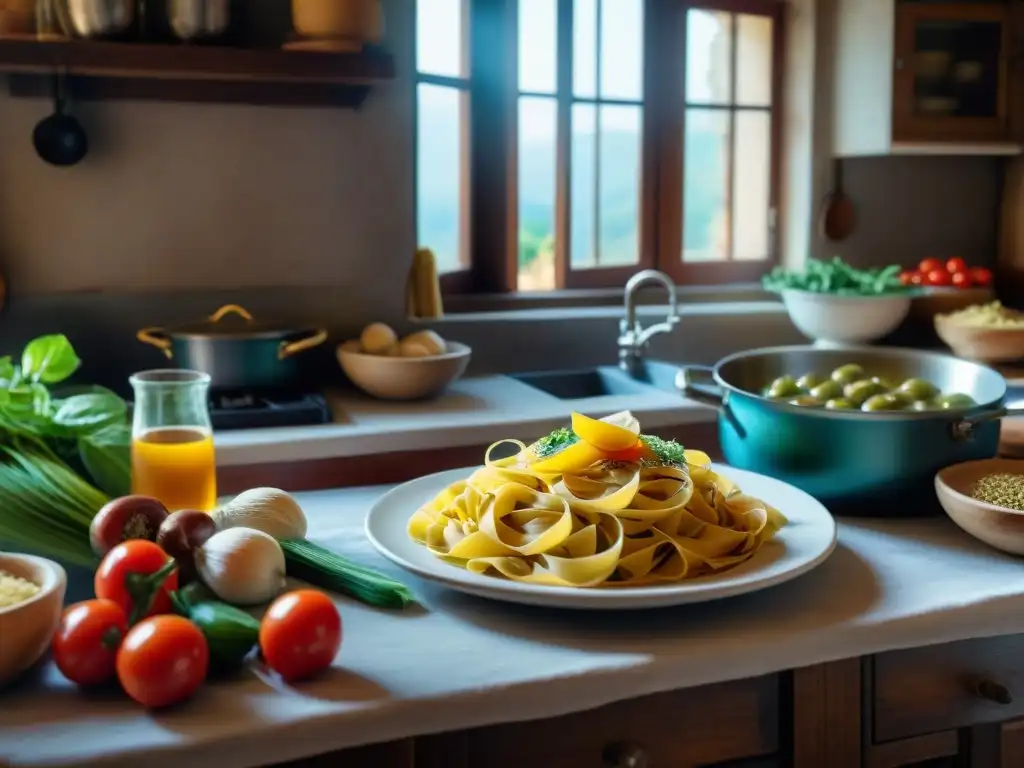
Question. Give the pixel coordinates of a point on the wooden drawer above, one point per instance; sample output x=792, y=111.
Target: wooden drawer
x=699, y=726
x=923, y=690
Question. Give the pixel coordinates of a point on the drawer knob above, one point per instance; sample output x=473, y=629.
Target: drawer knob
x=624, y=754
x=994, y=692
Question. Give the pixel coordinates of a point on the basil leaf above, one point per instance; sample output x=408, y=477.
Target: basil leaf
x=106, y=456
x=90, y=412
x=49, y=359
x=7, y=369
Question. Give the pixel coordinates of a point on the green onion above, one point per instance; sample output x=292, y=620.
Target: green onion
x=323, y=568
x=47, y=508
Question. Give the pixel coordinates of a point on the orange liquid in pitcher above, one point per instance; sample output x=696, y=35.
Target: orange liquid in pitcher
x=176, y=465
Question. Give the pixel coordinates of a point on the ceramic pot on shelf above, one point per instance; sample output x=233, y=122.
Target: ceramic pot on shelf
x=336, y=25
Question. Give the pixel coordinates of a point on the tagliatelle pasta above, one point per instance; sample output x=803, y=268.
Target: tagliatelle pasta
x=597, y=505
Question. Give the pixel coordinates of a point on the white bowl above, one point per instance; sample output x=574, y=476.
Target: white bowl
x=999, y=527
x=405, y=378
x=27, y=628
x=837, y=321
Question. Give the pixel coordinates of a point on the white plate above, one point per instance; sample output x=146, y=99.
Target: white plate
x=801, y=545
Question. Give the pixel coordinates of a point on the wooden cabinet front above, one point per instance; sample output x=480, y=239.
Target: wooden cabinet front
x=722, y=725
x=945, y=687
x=952, y=73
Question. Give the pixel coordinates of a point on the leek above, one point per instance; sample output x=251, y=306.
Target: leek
x=323, y=568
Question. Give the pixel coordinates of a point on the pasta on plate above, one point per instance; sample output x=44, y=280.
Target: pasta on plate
x=597, y=505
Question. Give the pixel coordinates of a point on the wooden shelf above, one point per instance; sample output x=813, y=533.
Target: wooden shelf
x=194, y=73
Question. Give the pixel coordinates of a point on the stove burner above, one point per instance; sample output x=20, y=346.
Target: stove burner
x=253, y=410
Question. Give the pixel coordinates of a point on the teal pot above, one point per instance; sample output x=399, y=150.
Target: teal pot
x=863, y=463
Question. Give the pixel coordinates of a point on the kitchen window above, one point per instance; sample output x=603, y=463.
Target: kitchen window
x=567, y=143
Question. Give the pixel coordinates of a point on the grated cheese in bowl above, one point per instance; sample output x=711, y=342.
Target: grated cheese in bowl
x=15, y=590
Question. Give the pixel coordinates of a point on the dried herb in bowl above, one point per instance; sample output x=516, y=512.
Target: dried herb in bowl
x=1002, y=489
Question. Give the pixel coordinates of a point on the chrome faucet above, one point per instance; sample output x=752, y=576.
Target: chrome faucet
x=633, y=339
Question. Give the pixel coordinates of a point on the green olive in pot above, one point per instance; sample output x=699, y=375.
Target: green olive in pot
x=918, y=389
x=859, y=391
x=884, y=402
x=782, y=388
x=955, y=401
x=847, y=374
x=827, y=390
x=808, y=381
x=805, y=400
x=839, y=404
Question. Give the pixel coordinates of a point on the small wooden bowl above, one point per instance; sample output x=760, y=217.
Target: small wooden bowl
x=987, y=345
x=997, y=526
x=936, y=300
x=28, y=627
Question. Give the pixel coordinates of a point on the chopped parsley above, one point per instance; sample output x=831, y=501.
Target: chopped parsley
x=561, y=438
x=668, y=451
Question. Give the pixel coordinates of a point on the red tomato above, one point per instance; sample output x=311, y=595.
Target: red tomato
x=86, y=642
x=916, y=278
x=907, y=278
x=956, y=264
x=928, y=265
x=981, y=276
x=300, y=634
x=961, y=279
x=937, y=277
x=162, y=661
x=135, y=575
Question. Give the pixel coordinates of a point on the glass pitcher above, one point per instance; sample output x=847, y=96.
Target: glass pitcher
x=172, y=439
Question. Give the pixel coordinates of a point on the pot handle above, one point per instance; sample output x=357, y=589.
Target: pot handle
x=697, y=383
x=156, y=337
x=289, y=348
x=229, y=309
x=963, y=429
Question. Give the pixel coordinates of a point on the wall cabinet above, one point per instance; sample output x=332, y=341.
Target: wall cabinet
x=921, y=76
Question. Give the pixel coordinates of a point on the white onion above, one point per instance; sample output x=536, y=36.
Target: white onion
x=242, y=566
x=270, y=510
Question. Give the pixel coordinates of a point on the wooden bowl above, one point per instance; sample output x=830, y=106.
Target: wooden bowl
x=987, y=345
x=404, y=378
x=27, y=628
x=997, y=526
x=934, y=301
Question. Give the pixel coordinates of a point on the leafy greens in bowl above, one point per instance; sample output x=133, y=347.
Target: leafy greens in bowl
x=838, y=278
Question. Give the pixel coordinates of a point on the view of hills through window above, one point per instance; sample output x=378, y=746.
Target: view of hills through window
x=606, y=134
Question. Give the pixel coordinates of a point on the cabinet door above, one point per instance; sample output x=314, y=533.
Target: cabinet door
x=951, y=82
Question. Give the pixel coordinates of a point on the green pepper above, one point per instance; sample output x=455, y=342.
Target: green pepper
x=230, y=633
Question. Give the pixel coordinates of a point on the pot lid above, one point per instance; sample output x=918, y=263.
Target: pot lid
x=232, y=320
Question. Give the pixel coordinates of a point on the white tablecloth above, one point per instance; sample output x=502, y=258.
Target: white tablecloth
x=461, y=662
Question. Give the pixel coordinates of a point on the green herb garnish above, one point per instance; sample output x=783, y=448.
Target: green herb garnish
x=667, y=451
x=561, y=438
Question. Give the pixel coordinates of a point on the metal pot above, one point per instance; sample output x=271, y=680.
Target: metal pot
x=198, y=19
x=100, y=18
x=237, y=352
x=858, y=462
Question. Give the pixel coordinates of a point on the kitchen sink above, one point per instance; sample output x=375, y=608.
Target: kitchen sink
x=602, y=381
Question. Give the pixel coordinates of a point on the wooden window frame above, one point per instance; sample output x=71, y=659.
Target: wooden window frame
x=490, y=167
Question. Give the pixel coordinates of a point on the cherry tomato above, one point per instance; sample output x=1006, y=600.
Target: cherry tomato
x=300, y=634
x=929, y=265
x=135, y=575
x=961, y=279
x=917, y=278
x=981, y=276
x=907, y=278
x=956, y=264
x=162, y=661
x=938, y=277
x=86, y=642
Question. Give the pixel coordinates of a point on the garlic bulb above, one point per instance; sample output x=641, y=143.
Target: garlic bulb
x=266, y=509
x=242, y=566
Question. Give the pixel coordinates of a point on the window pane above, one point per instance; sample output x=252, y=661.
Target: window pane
x=538, y=45
x=751, y=184
x=439, y=37
x=439, y=173
x=754, y=60
x=708, y=56
x=705, y=186
x=622, y=49
x=619, y=186
x=583, y=189
x=537, y=168
x=584, y=45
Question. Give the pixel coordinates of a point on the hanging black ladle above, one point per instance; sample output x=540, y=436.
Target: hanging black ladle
x=60, y=139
